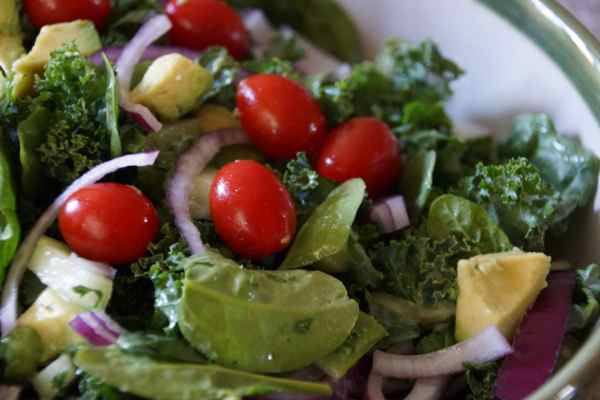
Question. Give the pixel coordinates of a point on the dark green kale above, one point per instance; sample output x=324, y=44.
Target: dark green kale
x=481, y=379
x=562, y=161
x=224, y=70
x=515, y=197
x=586, y=300
x=66, y=131
x=126, y=18
x=420, y=265
x=417, y=77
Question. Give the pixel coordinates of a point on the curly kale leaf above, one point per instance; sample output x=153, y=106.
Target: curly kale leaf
x=74, y=136
x=300, y=178
x=562, y=161
x=515, y=197
x=481, y=379
x=421, y=265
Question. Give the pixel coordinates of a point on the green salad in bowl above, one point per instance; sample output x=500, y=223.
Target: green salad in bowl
x=190, y=212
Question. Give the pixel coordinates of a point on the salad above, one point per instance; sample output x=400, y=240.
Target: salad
x=211, y=199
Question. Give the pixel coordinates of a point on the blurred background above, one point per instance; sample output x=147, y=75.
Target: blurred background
x=588, y=11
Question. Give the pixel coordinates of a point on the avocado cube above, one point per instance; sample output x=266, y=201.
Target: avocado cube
x=53, y=37
x=172, y=86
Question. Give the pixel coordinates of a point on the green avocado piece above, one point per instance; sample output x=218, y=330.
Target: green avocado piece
x=52, y=37
x=327, y=230
x=20, y=354
x=263, y=321
x=184, y=381
x=366, y=333
x=11, y=43
x=172, y=86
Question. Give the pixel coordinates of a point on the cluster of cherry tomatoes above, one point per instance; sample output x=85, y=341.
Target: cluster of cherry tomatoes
x=252, y=211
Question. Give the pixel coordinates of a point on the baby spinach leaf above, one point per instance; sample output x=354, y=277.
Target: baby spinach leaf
x=516, y=197
x=323, y=22
x=10, y=229
x=31, y=132
x=417, y=182
x=159, y=347
x=183, y=381
x=562, y=161
x=451, y=215
x=365, y=334
x=296, y=317
x=327, y=230
x=112, y=108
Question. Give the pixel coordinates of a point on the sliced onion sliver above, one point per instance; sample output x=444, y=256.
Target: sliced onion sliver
x=94, y=327
x=189, y=166
x=489, y=345
x=428, y=388
x=151, y=31
x=8, y=306
x=390, y=214
x=375, y=387
x=150, y=53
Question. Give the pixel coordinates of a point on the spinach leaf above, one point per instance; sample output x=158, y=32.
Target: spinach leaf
x=516, y=197
x=31, y=132
x=10, y=229
x=180, y=381
x=323, y=22
x=562, y=161
x=159, y=347
x=416, y=183
x=112, y=108
x=327, y=230
x=297, y=317
x=451, y=215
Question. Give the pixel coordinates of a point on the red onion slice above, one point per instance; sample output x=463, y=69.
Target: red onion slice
x=8, y=306
x=150, y=53
x=489, y=345
x=151, y=31
x=375, y=387
x=97, y=328
x=189, y=166
x=428, y=388
x=390, y=214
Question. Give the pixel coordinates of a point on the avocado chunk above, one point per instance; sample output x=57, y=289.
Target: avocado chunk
x=172, y=86
x=53, y=37
x=50, y=316
x=11, y=44
x=497, y=289
x=20, y=353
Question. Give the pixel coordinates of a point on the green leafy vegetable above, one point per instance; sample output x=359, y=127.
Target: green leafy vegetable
x=439, y=338
x=112, y=108
x=388, y=308
x=586, y=302
x=285, y=46
x=481, y=379
x=126, y=18
x=159, y=347
x=323, y=22
x=327, y=230
x=224, y=70
x=179, y=381
x=297, y=317
x=421, y=265
x=359, y=272
x=10, y=229
x=31, y=136
x=417, y=182
x=562, y=161
x=515, y=197
x=92, y=388
x=300, y=178
x=274, y=66
x=365, y=334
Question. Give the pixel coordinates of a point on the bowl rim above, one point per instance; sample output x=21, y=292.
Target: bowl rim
x=577, y=52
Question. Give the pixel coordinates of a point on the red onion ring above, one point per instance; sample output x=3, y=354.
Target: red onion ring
x=150, y=53
x=375, y=387
x=8, y=305
x=189, y=166
x=390, y=214
x=489, y=345
x=93, y=327
x=151, y=31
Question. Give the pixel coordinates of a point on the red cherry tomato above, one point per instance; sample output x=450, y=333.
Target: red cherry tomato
x=108, y=222
x=280, y=116
x=198, y=24
x=45, y=12
x=361, y=148
x=252, y=211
